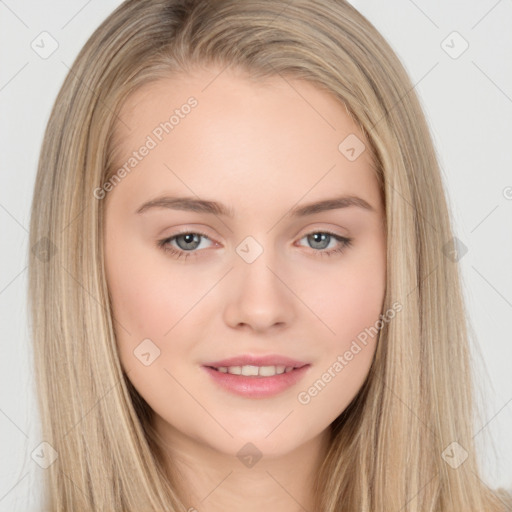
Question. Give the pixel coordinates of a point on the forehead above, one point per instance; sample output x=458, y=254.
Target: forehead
x=224, y=92
x=213, y=130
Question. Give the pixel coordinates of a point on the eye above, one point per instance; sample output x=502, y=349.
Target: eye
x=321, y=240
x=187, y=242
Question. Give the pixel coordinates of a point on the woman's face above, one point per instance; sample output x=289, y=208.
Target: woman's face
x=274, y=279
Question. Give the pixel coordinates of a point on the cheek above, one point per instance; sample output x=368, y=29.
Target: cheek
x=151, y=300
x=351, y=298
x=150, y=297
x=357, y=303
x=350, y=305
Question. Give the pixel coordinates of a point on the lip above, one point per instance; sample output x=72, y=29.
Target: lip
x=256, y=386
x=254, y=360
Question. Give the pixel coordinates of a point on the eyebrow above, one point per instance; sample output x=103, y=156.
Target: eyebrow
x=212, y=207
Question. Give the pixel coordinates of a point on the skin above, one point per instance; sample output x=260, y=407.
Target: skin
x=261, y=149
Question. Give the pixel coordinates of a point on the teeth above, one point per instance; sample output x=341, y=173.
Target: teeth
x=254, y=371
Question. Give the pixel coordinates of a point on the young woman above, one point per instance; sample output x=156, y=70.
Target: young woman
x=241, y=293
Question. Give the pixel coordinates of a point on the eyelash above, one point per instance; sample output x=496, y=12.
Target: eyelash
x=178, y=253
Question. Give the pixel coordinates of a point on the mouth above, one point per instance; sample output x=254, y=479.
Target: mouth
x=251, y=364
x=252, y=381
x=256, y=371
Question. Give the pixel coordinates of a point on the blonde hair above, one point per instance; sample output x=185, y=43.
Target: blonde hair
x=385, y=450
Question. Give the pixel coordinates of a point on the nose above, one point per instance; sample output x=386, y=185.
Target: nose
x=259, y=296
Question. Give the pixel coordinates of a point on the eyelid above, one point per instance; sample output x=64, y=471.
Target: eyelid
x=187, y=230
x=321, y=227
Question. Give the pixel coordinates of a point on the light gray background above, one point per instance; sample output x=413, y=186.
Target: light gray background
x=468, y=103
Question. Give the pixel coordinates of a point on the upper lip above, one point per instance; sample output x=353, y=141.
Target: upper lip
x=253, y=360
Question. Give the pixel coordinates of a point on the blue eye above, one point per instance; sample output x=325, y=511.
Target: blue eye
x=342, y=242
x=189, y=238
x=193, y=238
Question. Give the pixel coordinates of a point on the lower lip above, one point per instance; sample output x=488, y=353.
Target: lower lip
x=257, y=387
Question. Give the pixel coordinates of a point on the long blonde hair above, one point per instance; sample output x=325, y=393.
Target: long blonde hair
x=386, y=450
